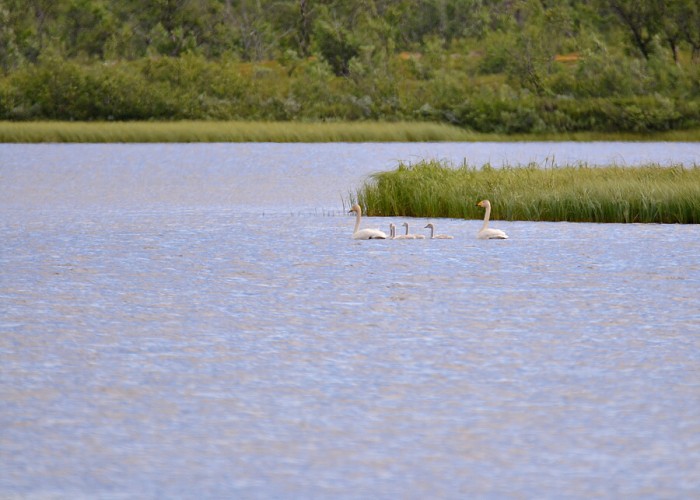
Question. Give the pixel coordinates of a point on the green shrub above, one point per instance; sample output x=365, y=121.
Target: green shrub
x=195, y=88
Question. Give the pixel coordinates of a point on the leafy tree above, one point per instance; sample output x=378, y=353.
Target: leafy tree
x=642, y=19
x=10, y=54
x=337, y=46
x=685, y=20
x=88, y=25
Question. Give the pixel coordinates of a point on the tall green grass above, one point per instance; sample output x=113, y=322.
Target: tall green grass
x=650, y=193
x=242, y=131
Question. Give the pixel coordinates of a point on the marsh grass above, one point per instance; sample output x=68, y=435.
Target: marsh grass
x=202, y=131
x=240, y=131
x=650, y=193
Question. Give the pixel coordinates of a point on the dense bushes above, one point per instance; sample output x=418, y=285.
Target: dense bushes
x=498, y=66
x=447, y=90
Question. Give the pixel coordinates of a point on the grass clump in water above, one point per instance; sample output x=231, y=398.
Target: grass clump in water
x=649, y=193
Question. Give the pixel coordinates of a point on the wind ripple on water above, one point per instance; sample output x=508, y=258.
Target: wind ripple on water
x=198, y=350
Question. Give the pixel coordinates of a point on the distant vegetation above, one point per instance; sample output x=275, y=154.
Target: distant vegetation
x=212, y=131
x=649, y=193
x=254, y=131
x=488, y=66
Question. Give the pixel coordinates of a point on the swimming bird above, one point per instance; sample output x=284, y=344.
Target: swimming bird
x=434, y=236
x=394, y=236
x=487, y=233
x=412, y=236
x=364, y=234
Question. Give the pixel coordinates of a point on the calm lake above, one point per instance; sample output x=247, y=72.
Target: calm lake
x=195, y=321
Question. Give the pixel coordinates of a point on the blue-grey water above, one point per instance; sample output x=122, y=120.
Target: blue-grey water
x=194, y=321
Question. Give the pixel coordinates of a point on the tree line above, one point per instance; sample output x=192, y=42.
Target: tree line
x=487, y=65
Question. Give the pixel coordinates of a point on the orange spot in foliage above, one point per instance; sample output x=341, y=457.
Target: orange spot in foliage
x=567, y=58
x=405, y=56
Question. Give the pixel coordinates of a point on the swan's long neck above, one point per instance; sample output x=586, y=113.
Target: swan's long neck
x=357, y=221
x=432, y=232
x=487, y=216
x=406, y=229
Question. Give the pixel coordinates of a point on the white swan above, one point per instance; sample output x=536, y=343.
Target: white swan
x=487, y=233
x=412, y=236
x=434, y=236
x=364, y=234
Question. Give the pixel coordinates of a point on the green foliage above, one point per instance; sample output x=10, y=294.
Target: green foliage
x=490, y=67
x=650, y=193
x=337, y=46
x=54, y=89
x=10, y=54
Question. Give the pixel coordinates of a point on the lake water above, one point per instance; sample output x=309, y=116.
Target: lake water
x=181, y=321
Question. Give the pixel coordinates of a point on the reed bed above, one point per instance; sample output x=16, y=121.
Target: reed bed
x=202, y=131
x=240, y=131
x=650, y=193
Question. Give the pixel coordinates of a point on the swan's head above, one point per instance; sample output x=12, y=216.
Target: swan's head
x=484, y=204
x=429, y=225
x=356, y=208
x=405, y=224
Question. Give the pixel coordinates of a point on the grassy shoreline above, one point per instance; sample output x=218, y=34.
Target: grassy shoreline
x=312, y=132
x=647, y=194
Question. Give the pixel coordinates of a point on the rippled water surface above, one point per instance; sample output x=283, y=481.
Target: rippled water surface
x=187, y=321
